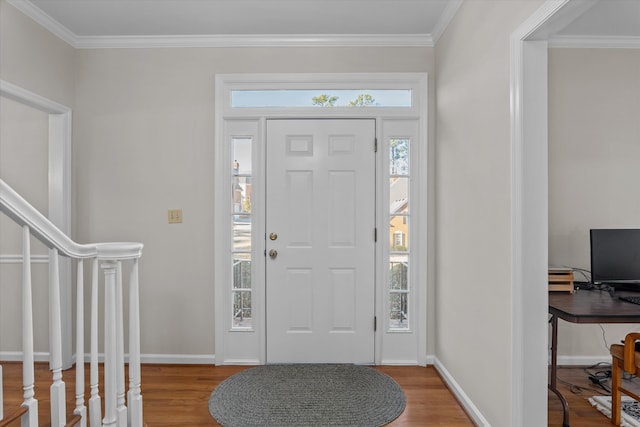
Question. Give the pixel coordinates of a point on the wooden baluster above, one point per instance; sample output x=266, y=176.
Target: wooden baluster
x=110, y=371
x=134, y=397
x=30, y=419
x=95, y=403
x=81, y=409
x=121, y=408
x=58, y=397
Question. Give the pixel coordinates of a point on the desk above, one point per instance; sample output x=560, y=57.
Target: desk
x=584, y=307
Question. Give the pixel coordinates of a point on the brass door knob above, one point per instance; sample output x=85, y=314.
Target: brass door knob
x=273, y=236
x=273, y=254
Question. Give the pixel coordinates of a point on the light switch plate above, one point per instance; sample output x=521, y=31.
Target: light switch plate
x=175, y=216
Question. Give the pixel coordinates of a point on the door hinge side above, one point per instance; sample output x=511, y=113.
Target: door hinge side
x=375, y=145
x=375, y=234
x=375, y=323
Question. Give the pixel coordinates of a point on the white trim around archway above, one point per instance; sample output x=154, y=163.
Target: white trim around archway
x=529, y=182
x=59, y=205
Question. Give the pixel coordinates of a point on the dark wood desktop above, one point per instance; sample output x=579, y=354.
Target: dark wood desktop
x=585, y=306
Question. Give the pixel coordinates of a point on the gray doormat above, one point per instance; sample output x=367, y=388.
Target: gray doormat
x=307, y=395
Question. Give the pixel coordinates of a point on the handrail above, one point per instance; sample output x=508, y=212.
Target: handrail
x=109, y=257
x=23, y=213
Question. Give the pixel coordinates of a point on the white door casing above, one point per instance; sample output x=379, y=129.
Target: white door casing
x=245, y=342
x=320, y=198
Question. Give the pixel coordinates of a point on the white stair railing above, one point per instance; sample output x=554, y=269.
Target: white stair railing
x=109, y=257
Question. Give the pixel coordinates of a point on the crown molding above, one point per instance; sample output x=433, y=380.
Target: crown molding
x=445, y=19
x=294, y=40
x=589, y=42
x=264, y=40
x=45, y=20
x=259, y=40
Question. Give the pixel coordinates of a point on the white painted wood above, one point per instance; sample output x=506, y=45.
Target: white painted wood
x=238, y=346
x=112, y=254
x=20, y=211
x=595, y=42
x=529, y=112
x=60, y=137
x=121, y=408
x=58, y=396
x=95, y=402
x=60, y=215
x=403, y=347
x=321, y=204
x=248, y=347
x=110, y=346
x=266, y=40
x=30, y=419
x=80, y=408
x=444, y=20
x=134, y=397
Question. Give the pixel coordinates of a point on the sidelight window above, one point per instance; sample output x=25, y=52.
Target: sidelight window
x=399, y=245
x=241, y=286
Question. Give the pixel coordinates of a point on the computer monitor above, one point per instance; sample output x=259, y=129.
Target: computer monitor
x=615, y=257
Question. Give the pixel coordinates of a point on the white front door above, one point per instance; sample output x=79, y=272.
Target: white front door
x=320, y=224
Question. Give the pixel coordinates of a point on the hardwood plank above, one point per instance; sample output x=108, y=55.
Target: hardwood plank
x=581, y=412
x=177, y=395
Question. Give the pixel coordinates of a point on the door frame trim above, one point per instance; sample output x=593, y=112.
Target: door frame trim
x=249, y=346
x=59, y=191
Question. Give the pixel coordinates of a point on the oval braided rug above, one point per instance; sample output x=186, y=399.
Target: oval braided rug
x=307, y=395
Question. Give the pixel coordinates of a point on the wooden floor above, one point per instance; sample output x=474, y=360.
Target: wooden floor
x=177, y=395
x=582, y=414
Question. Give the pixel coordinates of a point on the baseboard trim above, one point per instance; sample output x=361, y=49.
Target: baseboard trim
x=582, y=360
x=469, y=407
x=182, y=359
x=16, y=356
x=430, y=360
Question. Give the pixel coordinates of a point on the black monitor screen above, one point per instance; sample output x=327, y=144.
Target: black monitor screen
x=615, y=256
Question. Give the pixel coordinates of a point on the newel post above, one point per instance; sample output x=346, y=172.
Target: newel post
x=58, y=398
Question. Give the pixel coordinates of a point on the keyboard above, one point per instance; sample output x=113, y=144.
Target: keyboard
x=631, y=298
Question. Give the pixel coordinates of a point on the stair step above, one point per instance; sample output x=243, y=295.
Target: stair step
x=13, y=417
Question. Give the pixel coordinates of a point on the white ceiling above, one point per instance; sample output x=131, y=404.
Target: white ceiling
x=607, y=18
x=200, y=17
x=113, y=23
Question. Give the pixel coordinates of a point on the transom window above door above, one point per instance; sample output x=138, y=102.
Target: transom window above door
x=295, y=98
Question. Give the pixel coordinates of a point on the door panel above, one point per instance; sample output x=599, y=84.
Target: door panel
x=321, y=204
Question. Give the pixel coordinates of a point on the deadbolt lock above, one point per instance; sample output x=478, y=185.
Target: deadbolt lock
x=273, y=236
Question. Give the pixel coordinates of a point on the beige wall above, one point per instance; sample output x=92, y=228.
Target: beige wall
x=473, y=205
x=34, y=59
x=144, y=133
x=594, y=166
x=143, y=143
